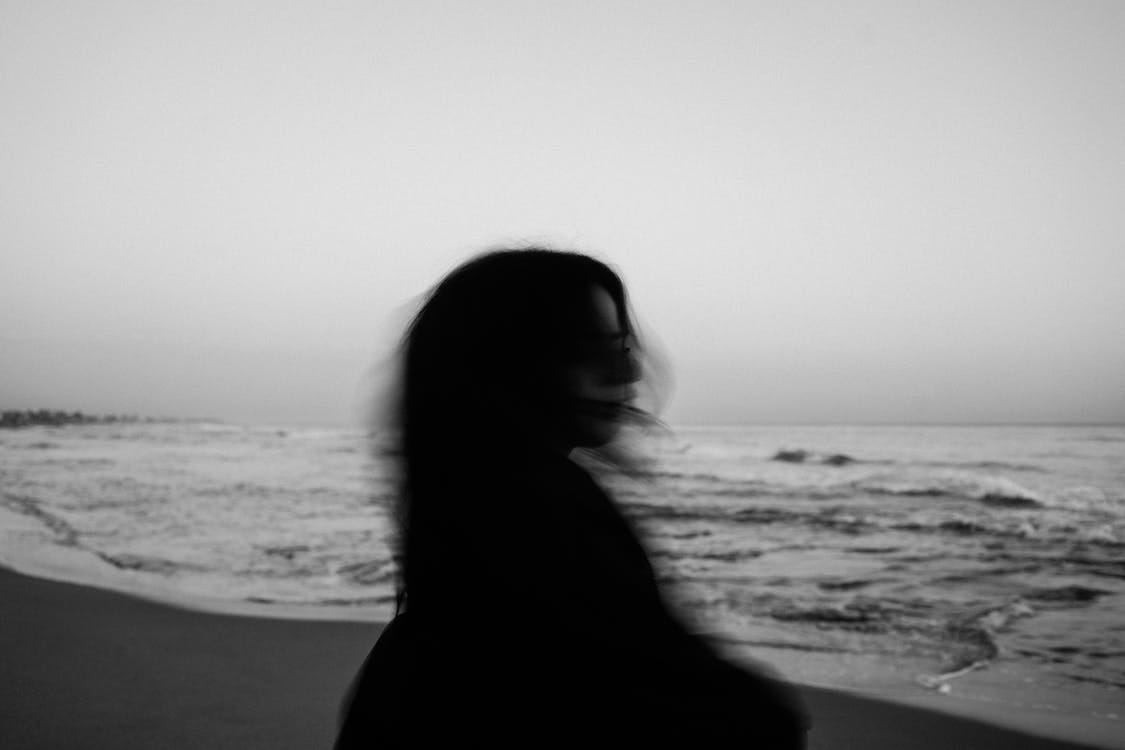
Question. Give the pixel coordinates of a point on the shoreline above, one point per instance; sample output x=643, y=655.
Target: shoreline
x=88, y=667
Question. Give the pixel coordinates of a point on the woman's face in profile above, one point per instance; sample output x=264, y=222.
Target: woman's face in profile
x=597, y=385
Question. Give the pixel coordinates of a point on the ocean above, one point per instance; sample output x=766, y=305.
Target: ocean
x=904, y=557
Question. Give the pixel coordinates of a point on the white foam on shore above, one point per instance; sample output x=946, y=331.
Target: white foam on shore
x=1005, y=693
x=23, y=551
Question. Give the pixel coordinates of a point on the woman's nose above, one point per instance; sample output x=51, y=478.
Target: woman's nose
x=625, y=369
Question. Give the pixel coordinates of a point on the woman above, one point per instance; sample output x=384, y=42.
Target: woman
x=528, y=614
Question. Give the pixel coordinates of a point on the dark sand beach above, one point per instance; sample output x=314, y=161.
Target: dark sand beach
x=89, y=668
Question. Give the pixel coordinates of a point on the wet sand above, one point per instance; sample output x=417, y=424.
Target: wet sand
x=90, y=668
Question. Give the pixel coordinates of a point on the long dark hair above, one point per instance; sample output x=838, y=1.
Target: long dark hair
x=478, y=367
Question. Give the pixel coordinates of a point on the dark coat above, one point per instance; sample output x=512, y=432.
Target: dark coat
x=544, y=627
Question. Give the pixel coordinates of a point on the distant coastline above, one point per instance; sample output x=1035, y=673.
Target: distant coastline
x=12, y=419
x=18, y=418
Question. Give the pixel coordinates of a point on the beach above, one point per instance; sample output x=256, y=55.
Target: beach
x=90, y=668
x=213, y=585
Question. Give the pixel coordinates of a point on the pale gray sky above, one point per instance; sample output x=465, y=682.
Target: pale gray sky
x=827, y=211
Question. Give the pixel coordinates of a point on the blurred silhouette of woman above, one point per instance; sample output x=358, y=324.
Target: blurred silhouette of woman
x=528, y=614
